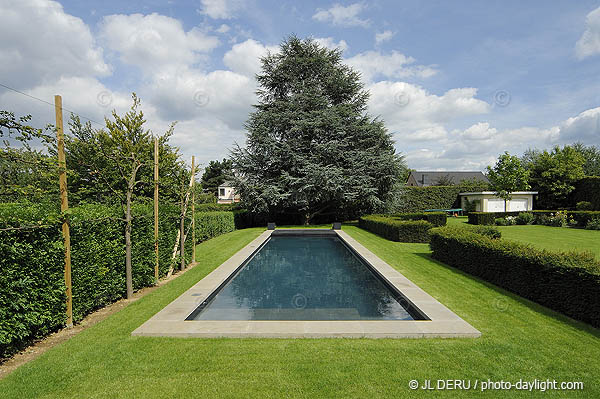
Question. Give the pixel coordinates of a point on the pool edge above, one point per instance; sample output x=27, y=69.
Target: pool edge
x=170, y=321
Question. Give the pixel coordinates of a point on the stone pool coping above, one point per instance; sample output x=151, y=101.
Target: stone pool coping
x=170, y=321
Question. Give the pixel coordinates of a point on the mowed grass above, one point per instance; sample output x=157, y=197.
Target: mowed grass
x=550, y=238
x=520, y=340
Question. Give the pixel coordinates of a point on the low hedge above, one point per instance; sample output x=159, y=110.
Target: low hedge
x=488, y=218
x=32, y=291
x=436, y=218
x=396, y=230
x=566, y=282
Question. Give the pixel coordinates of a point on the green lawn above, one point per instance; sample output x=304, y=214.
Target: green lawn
x=520, y=341
x=551, y=238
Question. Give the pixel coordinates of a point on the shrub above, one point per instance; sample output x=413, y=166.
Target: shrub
x=396, y=230
x=485, y=218
x=212, y=224
x=417, y=199
x=593, y=224
x=587, y=190
x=584, y=206
x=524, y=218
x=32, y=291
x=212, y=207
x=503, y=221
x=435, y=218
x=566, y=282
x=206, y=198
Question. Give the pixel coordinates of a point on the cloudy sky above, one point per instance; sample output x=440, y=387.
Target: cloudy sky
x=457, y=83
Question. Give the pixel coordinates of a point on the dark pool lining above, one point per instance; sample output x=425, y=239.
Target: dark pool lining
x=408, y=305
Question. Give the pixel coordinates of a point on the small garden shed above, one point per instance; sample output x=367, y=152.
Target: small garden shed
x=488, y=201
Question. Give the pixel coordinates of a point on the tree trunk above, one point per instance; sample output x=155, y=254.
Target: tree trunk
x=306, y=219
x=505, y=205
x=128, y=273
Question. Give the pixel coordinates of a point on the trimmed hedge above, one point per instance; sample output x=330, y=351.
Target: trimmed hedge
x=566, y=282
x=212, y=224
x=488, y=218
x=436, y=218
x=417, y=199
x=396, y=230
x=32, y=291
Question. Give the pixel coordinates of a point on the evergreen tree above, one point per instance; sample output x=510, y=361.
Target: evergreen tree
x=311, y=148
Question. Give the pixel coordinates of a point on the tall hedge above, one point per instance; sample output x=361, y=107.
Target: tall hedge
x=32, y=290
x=588, y=189
x=418, y=199
x=566, y=282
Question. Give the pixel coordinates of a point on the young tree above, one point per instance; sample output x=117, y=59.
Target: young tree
x=215, y=174
x=113, y=159
x=311, y=149
x=508, y=175
x=555, y=173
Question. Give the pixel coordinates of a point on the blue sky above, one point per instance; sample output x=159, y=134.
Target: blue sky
x=457, y=83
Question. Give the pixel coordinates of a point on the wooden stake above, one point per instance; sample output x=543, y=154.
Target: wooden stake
x=182, y=228
x=156, y=208
x=64, y=205
x=193, y=210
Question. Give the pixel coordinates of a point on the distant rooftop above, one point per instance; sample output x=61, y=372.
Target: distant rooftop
x=431, y=178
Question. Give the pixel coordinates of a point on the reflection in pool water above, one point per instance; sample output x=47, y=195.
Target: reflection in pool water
x=304, y=278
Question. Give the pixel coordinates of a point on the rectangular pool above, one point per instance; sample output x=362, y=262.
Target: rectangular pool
x=304, y=275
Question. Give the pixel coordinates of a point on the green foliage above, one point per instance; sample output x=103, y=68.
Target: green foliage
x=591, y=156
x=593, y=224
x=417, y=199
x=32, y=291
x=566, y=282
x=542, y=217
x=507, y=221
x=525, y=218
x=588, y=190
x=584, y=206
x=396, y=230
x=435, y=218
x=212, y=224
x=507, y=176
x=215, y=174
x=554, y=175
x=311, y=148
x=205, y=198
x=211, y=207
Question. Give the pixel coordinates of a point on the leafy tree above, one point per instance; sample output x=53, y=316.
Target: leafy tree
x=118, y=159
x=215, y=174
x=591, y=156
x=25, y=172
x=311, y=149
x=507, y=176
x=555, y=173
x=473, y=185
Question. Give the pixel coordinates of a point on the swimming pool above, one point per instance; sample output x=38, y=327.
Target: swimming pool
x=306, y=275
x=305, y=284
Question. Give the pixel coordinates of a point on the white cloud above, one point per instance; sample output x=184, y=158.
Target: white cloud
x=373, y=64
x=339, y=15
x=223, y=28
x=383, y=36
x=154, y=42
x=589, y=43
x=584, y=127
x=221, y=9
x=244, y=58
x=330, y=43
x=41, y=43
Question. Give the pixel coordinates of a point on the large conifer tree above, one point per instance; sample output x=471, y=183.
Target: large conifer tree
x=311, y=148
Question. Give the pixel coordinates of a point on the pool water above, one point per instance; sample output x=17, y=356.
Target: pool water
x=304, y=278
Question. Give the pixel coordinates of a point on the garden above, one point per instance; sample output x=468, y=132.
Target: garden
x=529, y=281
